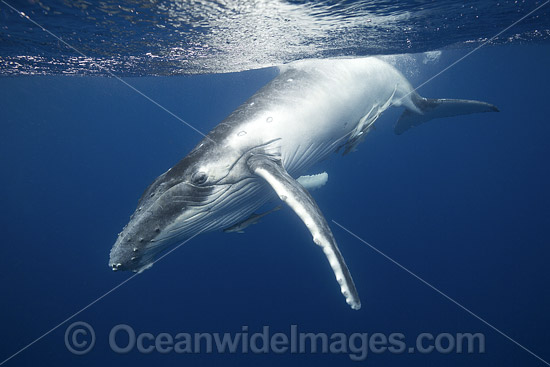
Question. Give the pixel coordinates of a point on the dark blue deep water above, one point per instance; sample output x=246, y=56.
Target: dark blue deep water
x=463, y=203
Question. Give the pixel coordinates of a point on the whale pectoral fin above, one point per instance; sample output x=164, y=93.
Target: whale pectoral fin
x=299, y=200
x=435, y=108
x=313, y=182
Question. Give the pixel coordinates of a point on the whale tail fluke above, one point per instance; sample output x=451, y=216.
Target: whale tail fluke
x=435, y=108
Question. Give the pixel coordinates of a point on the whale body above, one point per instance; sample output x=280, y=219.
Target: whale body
x=311, y=110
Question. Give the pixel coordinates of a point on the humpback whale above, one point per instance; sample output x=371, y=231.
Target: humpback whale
x=311, y=110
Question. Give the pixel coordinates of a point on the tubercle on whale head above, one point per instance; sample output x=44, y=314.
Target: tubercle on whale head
x=132, y=249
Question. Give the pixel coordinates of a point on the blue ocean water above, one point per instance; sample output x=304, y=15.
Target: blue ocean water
x=461, y=202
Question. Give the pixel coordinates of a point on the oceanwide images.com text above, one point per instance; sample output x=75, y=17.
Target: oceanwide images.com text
x=80, y=339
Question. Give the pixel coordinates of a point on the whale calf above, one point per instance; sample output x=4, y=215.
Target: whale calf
x=311, y=110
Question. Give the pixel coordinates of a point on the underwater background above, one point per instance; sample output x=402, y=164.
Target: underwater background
x=461, y=202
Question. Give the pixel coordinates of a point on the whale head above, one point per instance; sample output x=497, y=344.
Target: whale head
x=211, y=188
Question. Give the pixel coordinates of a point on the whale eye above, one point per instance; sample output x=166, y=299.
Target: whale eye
x=199, y=178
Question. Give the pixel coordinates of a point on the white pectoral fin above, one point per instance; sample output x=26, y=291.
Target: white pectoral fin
x=313, y=182
x=297, y=198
